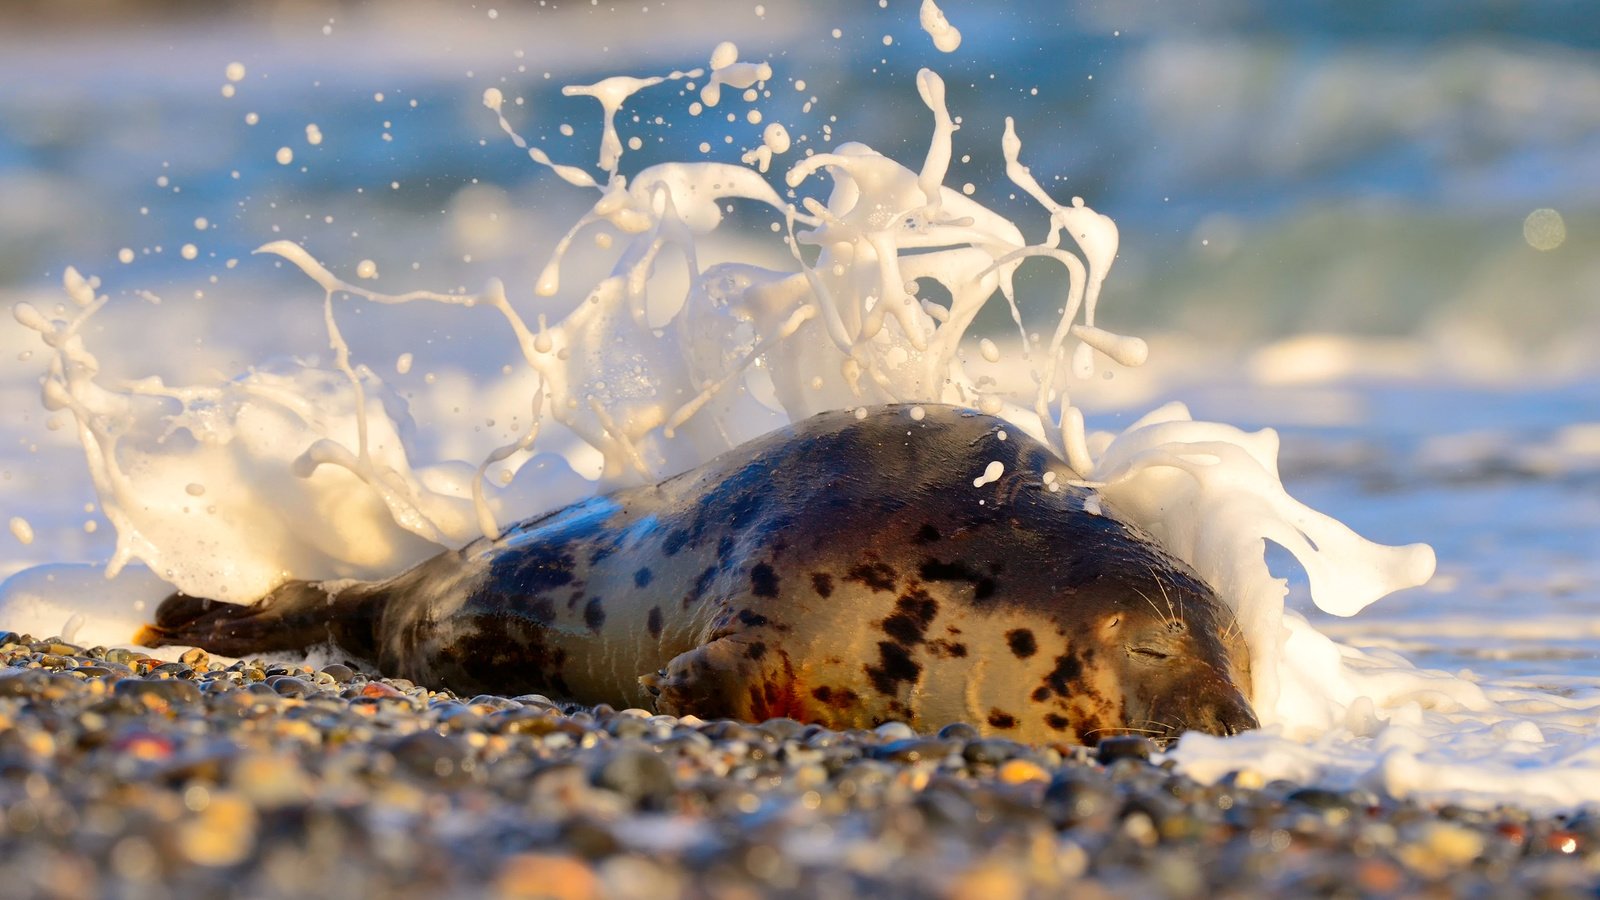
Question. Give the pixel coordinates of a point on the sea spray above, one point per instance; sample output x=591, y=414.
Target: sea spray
x=846, y=326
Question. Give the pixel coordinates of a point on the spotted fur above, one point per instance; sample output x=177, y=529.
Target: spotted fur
x=842, y=571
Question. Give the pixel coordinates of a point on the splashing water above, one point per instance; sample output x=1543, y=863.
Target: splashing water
x=226, y=489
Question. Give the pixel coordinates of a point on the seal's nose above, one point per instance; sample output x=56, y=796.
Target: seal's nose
x=1232, y=716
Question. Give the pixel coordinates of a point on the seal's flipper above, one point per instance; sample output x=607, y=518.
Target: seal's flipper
x=746, y=676
x=295, y=616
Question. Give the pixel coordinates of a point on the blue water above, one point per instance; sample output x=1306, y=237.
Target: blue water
x=1295, y=139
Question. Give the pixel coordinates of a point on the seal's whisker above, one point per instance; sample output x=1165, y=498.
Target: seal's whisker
x=1165, y=619
x=1233, y=629
x=1176, y=614
x=1181, y=616
x=1129, y=729
x=1169, y=731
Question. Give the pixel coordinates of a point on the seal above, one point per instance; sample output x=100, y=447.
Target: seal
x=927, y=564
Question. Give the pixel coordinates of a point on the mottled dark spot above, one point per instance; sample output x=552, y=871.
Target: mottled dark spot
x=751, y=619
x=724, y=547
x=574, y=597
x=531, y=571
x=594, y=614
x=918, y=604
x=875, y=575
x=838, y=698
x=927, y=534
x=763, y=581
x=1040, y=694
x=822, y=582
x=642, y=577
x=896, y=666
x=653, y=621
x=913, y=613
x=541, y=610
x=1055, y=721
x=603, y=542
x=743, y=508
x=755, y=650
x=701, y=584
x=674, y=541
x=500, y=652
x=999, y=719
x=1067, y=671
x=1021, y=642
x=903, y=629
x=937, y=570
x=949, y=649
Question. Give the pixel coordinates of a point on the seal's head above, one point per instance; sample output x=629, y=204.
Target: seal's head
x=1180, y=657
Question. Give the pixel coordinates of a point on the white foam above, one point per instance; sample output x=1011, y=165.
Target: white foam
x=946, y=37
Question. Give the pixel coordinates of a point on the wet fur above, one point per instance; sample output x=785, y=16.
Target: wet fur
x=842, y=571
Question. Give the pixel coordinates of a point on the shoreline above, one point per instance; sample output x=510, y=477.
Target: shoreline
x=125, y=775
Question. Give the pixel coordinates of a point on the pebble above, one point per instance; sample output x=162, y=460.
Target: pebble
x=1132, y=747
x=544, y=876
x=1022, y=771
x=639, y=774
x=125, y=775
x=223, y=833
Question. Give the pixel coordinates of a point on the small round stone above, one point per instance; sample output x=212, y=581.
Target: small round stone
x=894, y=731
x=638, y=774
x=432, y=755
x=339, y=672
x=1021, y=771
x=959, y=731
x=1126, y=747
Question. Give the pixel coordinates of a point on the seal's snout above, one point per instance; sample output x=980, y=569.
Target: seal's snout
x=1219, y=708
x=1231, y=718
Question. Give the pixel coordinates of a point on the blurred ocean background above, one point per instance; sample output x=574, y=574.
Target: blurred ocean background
x=1373, y=226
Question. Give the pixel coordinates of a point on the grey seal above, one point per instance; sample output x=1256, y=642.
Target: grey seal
x=927, y=564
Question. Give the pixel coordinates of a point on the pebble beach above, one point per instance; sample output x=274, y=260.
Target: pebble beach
x=123, y=775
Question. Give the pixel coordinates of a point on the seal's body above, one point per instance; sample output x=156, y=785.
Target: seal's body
x=927, y=564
